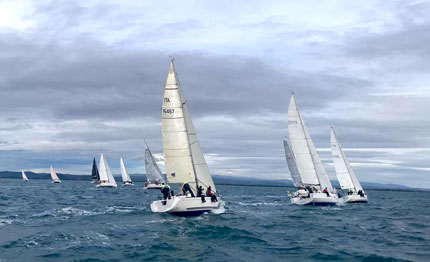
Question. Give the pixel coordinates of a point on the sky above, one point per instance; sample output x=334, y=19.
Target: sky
x=81, y=77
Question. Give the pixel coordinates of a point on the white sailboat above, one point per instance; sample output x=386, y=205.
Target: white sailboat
x=54, y=176
x=153, y=173
x=126, y=180
x=345, y=174
x=106, y=177
x=305, y=164
x=183, y=156
x=24, y=176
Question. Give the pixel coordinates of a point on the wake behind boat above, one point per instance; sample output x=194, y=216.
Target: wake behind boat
x=54, y=176
x=183, y=157
x=345, y=174
x=153, y=173
x=106, y=177
x=305, y=164
x=126, y=180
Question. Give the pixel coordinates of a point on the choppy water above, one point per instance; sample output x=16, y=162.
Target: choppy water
x=74, y=221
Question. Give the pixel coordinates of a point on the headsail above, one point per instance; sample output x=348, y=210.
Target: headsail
x=153, y=172
x=105, y=172
x=308, y=162
x=183, y=156
x=24, y=176
x=344, y=171
x=95, y=172
x=292, y=166
x=54, y=175
x=124, y=174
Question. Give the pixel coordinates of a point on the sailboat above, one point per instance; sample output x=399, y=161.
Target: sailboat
x=106, y=177
x=24, y=176
x=95, y=172
x=183, y=156
x=153, y=173
x=54, y=176
x=126, y=180
x=305, y=165
x=345, y=174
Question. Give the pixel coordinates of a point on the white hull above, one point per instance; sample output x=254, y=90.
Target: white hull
x=316, y=199
x=106, y=185
x=355, y=198
x=153, y=186
x=185, y=206
x=128, y=184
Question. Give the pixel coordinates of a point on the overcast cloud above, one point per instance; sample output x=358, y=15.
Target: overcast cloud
x=78, y=78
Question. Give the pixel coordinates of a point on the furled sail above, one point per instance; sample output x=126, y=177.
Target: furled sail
x=24, y=176
x=153, y=172
x=292, y=165
x=54, y=175
x=95, y=172
x=124, y=174
x=344, y=171
x=308, y=162
x=105, y=172
x=182, y=153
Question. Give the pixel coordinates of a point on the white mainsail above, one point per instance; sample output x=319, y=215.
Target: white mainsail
x=344, y=171
x=124, y=174
x=308, y=162
x=105, y=172
x=182, y=153
x=153, y=172
x=24, y=176
x=54, y=175
x=292, y=166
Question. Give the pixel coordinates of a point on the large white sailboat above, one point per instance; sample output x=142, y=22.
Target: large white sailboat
x=106, y=177
x=183, y=156
x=345, y=174
x=153, y=173
x=24, y=176
x=305, y=164
x=126, y=180
x=54, y=176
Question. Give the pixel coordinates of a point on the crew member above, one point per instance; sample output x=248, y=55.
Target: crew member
x=186, y=188
x=166, y=193
x=200, y=194
x=211, y=194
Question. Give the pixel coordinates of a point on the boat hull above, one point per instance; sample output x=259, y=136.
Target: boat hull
x=355, y=198
x=107, y=185
x=153, y=186
x=56, y=182
x=316, y=199
x=127, y=184
x=185, y=206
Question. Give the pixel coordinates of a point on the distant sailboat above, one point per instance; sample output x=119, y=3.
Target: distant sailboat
x=183, y=156
x=24, y=176
x=95, y=172
x=106, y=177
x=54, y=176
x=153, y=173
x=305, y=164
x=126, y=180
x=345, y=174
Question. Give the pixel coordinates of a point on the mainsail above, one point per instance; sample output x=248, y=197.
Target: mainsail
x=153, y=172
x=182, y=153
x=344, y=171
x=95, y=172
x=54, y=175
x=24, y=176
x=105, y=173
x=124, y=174
x=292, y=165
x=308, y=162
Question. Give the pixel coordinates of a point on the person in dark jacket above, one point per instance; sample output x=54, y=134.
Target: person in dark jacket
x=186, y=188
x=200, y=194
x=166, y=193
x=211, y=194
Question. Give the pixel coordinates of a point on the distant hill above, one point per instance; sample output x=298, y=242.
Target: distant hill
x=220, y=180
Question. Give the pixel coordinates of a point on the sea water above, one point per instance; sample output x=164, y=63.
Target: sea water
x=75, y=221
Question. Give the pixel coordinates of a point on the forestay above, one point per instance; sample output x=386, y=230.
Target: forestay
x=182, y=153
x=344, y=171
x=292, y=165
x=153, y=172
